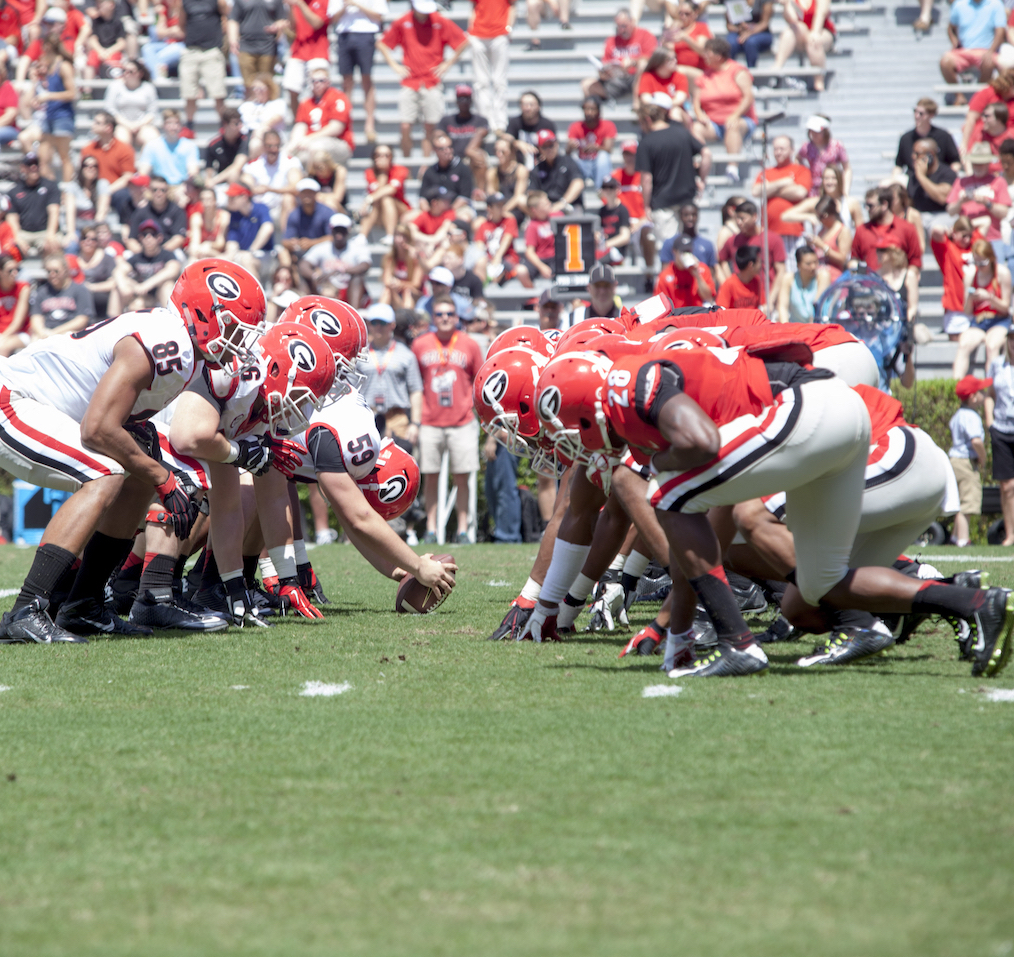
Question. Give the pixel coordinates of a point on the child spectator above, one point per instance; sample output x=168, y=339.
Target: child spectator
x=686, y=280
x=540, y=240
x=431, y=226
x=968, y=453
x=615, y=233
x=743, y=289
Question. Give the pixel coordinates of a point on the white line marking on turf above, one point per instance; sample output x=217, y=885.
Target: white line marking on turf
x=238, y=687
x=5, y=687
x=661, y=691
x=965, y=559
x=315, y=689
x=498, y=583
x=1000, y=694
x=7, y=592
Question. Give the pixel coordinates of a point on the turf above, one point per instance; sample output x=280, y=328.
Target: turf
x=465, y=797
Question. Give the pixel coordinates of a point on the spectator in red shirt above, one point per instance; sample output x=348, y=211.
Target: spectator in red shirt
x=625, y=56
x=385, y=194
x=743, y=290
x=591, y=140
x=449, y=360
x=661, y=76
x=1001, y=90
x=982, y=194
x=540, y=240
x=431, y=226
x=953, y=252
x=686, y=38
x=750, y=234
x=884, y=229
x=497, y=233
x=422, y=35
x=632, y=197
x=788, y=183
x=489, y=28
x=115, y=158
x=14, y=295
x=995, y=127
x=323, y=121
x=686, y=281
x=309, y=20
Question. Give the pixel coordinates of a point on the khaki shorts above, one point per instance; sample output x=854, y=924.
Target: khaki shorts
x=969, y=486
x=202, y=68
x=294, y=77
x=250, y=64
x=666, y=222
x=460, y=442
x=425, y=104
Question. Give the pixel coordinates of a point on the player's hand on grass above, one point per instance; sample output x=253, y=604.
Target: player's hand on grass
x=294, y=598
x=436, y=575
x=515, y=621
x=542, y=624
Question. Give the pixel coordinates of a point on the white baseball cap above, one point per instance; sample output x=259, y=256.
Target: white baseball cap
x=661, y=99
x=442, y=275
x=307, y=183
x=424, y=6
x=817, y=124
x=380, y=312
x=340, y=220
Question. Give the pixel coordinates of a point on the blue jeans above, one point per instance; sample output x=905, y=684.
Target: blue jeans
x=158, y=53
x=752, y=48
x=599, y=169
x=503, y=497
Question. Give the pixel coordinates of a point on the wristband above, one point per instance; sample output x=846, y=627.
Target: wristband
x=233, y=453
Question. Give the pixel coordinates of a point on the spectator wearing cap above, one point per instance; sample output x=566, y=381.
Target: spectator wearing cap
x=467, y=130
x=170, y=156
x=604, y=302
x=253, y=28
x=323, y=120
x=308, y=224
x=967, y=454
x=422, y=34
x=497, y=233
x=557, y=175
x=666, y=159
x=34, y=212
x=590, y=142
x=145, y=279
x=723, y=101
x=202, y=64
x=228, y=151
x=685, y=279
x=449, y=171
x=614, y=236
x=430, y=226
x=525, y=128
x=59, y=305
x=442, y=284
x=703, y=249
x=490, y=25
x=273, y=176
x=788, y=183
x=392, y=385
x=338, y=268
x=820, y=151
x=115, y=159
x=357, y=25
x=552, y=314
x=976, y=28
x=251, y=234
x=623, y=60
x=171, y=219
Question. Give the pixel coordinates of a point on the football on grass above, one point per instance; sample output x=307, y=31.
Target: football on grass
x=415, y=597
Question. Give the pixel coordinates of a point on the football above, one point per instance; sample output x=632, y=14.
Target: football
x=416, y=597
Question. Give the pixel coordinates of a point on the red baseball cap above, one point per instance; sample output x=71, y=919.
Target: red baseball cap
x=546, y=136
x=238, y=189
x=970, y=385
x=630, y=146
x=462, y=89
x=140, y=180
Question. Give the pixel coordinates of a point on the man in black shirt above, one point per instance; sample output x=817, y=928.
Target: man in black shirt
x=924, y=112
x=34, y=213
x=146, y=279
x=171, y=220
x=126, y=201
x=253, y=28
x=450, y=171
x=601, y=294
x=615, y=221
x=930, y=181
x=525, y=129
x=58, y=305
x=108, y=39
x=202, y=63
x=228, y=152
x=557, y=175
x=467, y=130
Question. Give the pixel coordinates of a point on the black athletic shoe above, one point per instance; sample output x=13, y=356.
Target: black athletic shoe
x=514, y=622
x=214, y=599
x=265, y=604
x=725, y=662
x=905, y=625
x=973, y=578
x=120, y=594
x=88, y=617
x=993, y=627
x=847, y=644
x=161, y=611
x=32, y=625
x=705, y=636
x=749, y=595
x=778, y=630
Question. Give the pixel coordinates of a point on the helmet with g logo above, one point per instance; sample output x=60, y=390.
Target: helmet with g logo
x=337, y=323
x=393, y=485
x=527, y=336
x=299, y=373
x=504, y=396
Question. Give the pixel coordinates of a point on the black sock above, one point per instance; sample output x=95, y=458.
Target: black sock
x=101, y=555
x=720, y=603
x=50, y=564
x=158, y=573
x=850, y=617
x=250, y=570
x=773, y=591
x=304, y=573
x=936, y=599
x=131, y=574
x=906, y=567
x=181, y=563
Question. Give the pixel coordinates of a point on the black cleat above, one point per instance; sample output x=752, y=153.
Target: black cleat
x=847, y=644
x=264, y=604
x=158, y=610
x=32, y=625
x=724, y=662
x=514, y=622
x=89, y=617
x=705, y=636
x=778, y=630
x=973, y=578
x=749, y=595
x=993, y=625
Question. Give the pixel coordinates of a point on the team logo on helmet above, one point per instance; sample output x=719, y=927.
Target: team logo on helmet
x=326, y=323
x=680, y=344
x=549, y=403
x=223, y=286
x=495, y=387
x=392, y=489
x=552, y=334
x=303, y=356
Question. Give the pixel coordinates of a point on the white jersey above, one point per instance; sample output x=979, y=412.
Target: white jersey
x=64, y=371
x=354, y=429
x=234, y=397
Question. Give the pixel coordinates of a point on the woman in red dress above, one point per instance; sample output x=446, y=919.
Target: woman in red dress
x=385, y=194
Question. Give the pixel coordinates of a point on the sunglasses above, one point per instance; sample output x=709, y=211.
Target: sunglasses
x=377, y=323
x=438, y=315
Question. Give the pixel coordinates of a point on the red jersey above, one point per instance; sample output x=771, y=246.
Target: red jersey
x=817, y=335
x=871, y=236
x=490, y=18
x=71, y=28
x=641, y=44
x=333, y=105
x=8, y=303
x=680, y=285
x=491, y=234
x=447, y=375
x=396, y=177
x=684, y=55
x=630, y=192
x=428, y=224
x=422, y=44
x=589, y=139
x=736, y=294
x=539, y=236
x=776, y=205
x=310, y=42
x=952, y=260
x=670, y=86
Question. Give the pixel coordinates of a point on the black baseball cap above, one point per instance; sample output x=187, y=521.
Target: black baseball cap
x=601, y=273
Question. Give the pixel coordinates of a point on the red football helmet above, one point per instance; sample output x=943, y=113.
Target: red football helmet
x=545, y=460
x=527, y=336
x=686, y=339
x=393, y=485
x=299, y=372
x=615, y=346
x=553, y=335
x=337, y=323
x=575, y=338
x=225, y=307
x=504, y=396
x=569, y=403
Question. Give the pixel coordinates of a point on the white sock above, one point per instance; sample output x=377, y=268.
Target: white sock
x=581, y=588
x=635, y=564
x=568, y=560
x=617, y=563
x=301, y=557
x=229, y=576
x=674, y=644
x=284, y=559
x=267, y=568
x=531, y=590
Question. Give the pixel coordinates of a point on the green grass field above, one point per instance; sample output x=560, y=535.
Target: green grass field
x=179, y=796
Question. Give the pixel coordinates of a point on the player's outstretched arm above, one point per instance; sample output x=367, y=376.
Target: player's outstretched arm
x=693, y=436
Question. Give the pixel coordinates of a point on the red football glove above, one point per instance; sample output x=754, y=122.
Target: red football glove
x=650, y=633
x=288, y=457
x=271, y=585
x=181, y=508
x=297, y=601
x=514, y=621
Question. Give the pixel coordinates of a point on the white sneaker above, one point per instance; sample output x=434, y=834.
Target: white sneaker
x=326, y=537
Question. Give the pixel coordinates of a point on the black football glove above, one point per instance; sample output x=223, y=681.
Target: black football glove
x=255, y=454
x=311, y=586
x=177, y=495
x=146, y=436
x=515, y=621
x=242, y=608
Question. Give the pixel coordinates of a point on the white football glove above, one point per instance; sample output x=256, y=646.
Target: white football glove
x=542, y=625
